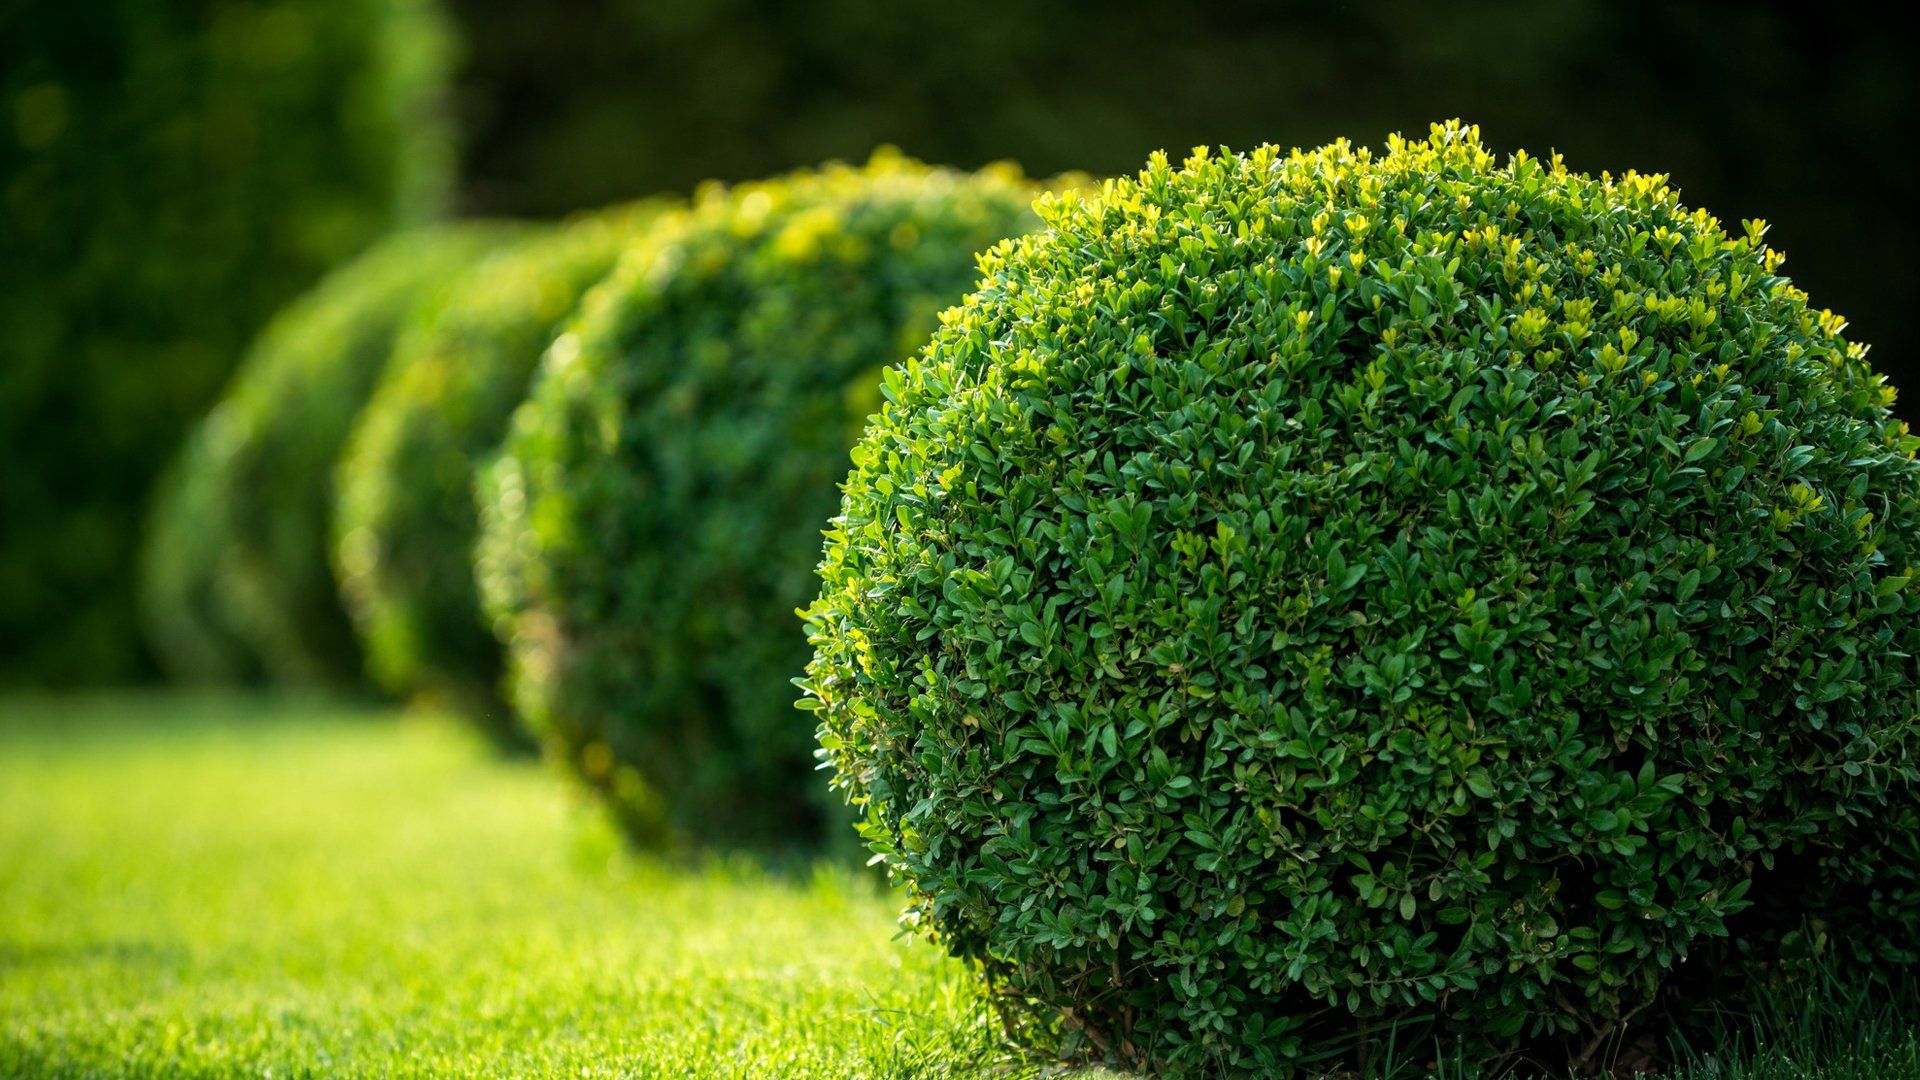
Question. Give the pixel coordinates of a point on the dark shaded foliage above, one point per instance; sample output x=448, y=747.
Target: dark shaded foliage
x=171, y=173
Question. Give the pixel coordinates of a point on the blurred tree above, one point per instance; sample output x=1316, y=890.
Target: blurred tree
x=169, y=174
x=1790, y=112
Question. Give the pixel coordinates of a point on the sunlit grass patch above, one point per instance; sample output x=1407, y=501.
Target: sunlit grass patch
x=222, y=887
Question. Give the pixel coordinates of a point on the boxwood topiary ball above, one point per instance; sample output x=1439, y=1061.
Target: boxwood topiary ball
x=1305, y=592
x=404, y=521
x=651, y=526
x=238, y=549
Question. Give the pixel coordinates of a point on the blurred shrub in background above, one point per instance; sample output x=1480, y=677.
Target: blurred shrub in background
x=180, y=567
x=405, y=523
x=239, y=544
x=654, y=520
x=169, y=174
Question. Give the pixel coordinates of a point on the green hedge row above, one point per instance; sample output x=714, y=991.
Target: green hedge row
x=734, y=346
x=175, y=172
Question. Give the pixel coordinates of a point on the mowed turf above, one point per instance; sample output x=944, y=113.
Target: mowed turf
x=235, y=887
x=201, y=887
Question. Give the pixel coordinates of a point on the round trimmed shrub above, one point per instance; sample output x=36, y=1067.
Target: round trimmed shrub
x=240, y=544
x=182, y=170
x=1305, y=593
x=405, y=521
x=649, y=529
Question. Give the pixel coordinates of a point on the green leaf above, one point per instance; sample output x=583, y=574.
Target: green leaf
x=1480, y=783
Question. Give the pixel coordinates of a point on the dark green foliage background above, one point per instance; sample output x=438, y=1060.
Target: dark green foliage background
x=655, y=518
x=170, y=173
x=1791, y=112
x=1293, y=593
x=237, y=576
x=405, y=522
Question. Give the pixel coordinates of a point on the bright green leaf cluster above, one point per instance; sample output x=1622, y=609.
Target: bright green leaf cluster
x=1305, y=592
x=404, y=523
x=236, y=572
x=648, y=529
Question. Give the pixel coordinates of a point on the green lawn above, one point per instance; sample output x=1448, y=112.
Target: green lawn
x=206, y=886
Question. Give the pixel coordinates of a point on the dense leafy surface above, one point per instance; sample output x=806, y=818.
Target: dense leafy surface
x=1305, y=591
x=650, y=526
x=236, y=573
x=404, y=523
x=230, y=888
x=170, y=174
